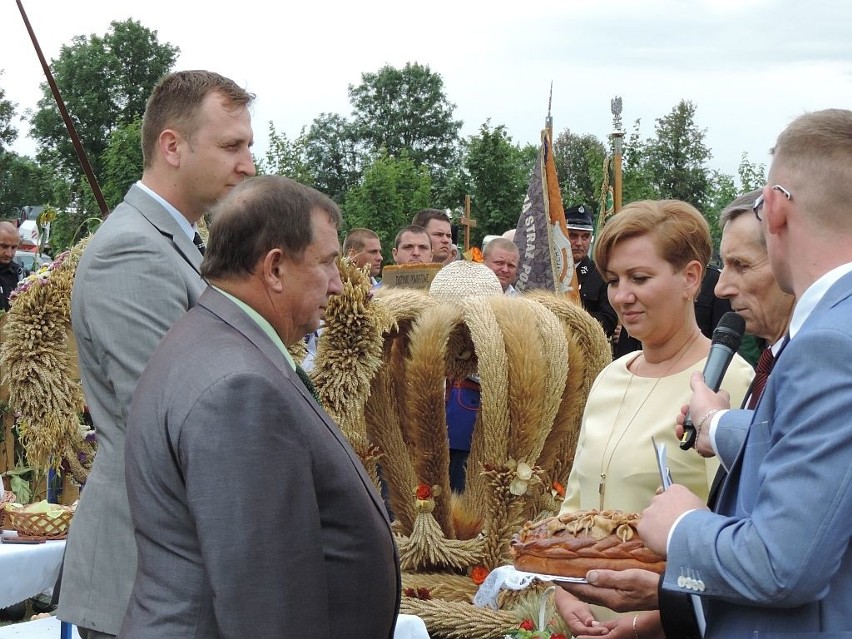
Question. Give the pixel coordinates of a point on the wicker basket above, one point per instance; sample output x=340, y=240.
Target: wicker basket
x=39, y=524
x=8, y=498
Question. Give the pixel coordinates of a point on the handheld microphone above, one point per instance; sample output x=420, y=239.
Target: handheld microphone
x=726, y=340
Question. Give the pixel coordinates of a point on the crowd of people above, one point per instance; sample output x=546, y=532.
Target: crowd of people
x=184, y=360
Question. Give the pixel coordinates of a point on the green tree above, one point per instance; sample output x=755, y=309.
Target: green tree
x=122, y=161
x=498, y=171
x=637, y=181
x=332, y=155
x=387, y=196
x=752, y=175
x=677, y=157
x=121, y=167
x=8, y=132
x=722, y=192
x=579, y=166
x=104, y=82
x=23, y=182
x=406, y=110
x=286, y=157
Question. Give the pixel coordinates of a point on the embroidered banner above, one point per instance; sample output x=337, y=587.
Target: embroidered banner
x=541, y=235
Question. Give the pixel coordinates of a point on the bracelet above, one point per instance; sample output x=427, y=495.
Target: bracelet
x=635, y=630
x=704, y=419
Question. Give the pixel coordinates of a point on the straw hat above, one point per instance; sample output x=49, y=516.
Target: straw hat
x=463, y=280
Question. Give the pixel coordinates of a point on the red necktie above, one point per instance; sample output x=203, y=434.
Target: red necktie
x=764, y=366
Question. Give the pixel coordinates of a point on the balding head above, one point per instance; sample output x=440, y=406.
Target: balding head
x=259, y=215
x=9, y=241
x=273, y=244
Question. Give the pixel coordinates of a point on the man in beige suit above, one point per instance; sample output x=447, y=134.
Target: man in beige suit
x=137, y=276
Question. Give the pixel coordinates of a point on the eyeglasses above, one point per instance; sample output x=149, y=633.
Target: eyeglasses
x=758, y=203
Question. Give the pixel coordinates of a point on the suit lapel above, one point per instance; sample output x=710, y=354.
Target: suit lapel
x=231, y=314
x=837, y=293
x=163, y=221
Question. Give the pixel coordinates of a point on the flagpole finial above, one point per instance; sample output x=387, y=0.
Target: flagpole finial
x=548, y=121
x=615, y=108
x=617, y=137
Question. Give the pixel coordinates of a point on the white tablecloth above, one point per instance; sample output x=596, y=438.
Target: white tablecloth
x=410, y=627
x=407, y=627
x=28, y=569
x=47, y=628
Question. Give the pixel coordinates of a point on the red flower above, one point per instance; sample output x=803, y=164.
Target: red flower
x=527, y=624
x=409, y=592
x=558, y=635
x=424, y=593
x=423, y=492
x=559, y=488
x=478, y=574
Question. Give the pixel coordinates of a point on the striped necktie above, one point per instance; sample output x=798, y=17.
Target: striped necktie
x=764, y=367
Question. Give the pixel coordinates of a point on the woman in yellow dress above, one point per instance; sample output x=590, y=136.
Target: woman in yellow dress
x=652, y=256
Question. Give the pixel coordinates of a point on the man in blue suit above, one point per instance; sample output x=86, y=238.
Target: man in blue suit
x=775, y=559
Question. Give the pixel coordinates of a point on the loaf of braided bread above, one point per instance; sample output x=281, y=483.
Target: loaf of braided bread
x=574, y=543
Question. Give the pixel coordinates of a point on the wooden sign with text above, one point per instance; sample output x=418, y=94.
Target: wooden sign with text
x=410, y=275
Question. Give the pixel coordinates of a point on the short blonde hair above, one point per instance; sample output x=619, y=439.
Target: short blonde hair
x=815, y=154
x=499, y=243
x=679, y=231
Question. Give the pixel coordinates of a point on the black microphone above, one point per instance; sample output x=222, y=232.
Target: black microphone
x=726, y=341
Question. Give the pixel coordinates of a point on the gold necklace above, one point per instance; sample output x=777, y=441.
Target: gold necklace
x=605, y=468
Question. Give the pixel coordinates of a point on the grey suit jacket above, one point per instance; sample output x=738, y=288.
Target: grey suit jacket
x=138, y=275
x=253, y=515
x=776, y=561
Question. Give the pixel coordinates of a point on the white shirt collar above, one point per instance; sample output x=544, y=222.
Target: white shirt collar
x=183, y=223
x=775, y=347
x=813, y=294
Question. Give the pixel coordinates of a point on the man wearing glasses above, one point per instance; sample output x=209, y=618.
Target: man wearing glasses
x=776, y=557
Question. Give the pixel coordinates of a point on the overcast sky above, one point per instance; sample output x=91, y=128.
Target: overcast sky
x=750, y=66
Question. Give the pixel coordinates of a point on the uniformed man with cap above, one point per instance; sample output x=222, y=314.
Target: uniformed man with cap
x=578, y=219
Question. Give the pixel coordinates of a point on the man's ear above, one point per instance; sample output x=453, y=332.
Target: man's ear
x=169, y=145
x=274, y=270
x=776, y=214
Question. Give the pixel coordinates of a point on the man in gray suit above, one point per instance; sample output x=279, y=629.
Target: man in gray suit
x=140, y=273
x=253, y=515
x=776, y=561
